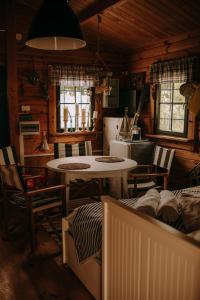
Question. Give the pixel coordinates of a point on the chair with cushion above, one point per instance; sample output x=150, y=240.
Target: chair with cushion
x=17, y=194
x=148, y=176
x=78, y=186
x=78, y=149
x=8, y=156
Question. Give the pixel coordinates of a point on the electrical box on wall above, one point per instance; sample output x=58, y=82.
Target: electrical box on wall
x=29, y=127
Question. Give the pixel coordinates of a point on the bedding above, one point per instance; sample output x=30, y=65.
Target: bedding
x=191, y=212
x=86, y=223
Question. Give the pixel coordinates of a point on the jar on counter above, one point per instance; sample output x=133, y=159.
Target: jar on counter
x=135, y=133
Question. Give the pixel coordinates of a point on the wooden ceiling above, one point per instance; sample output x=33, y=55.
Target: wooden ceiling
x=126, y=25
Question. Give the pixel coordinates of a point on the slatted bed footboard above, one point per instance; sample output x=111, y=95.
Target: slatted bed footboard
x=144, y=259
x=88, y=272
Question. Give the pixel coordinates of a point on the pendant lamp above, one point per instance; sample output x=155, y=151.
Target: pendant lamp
x=55, y=27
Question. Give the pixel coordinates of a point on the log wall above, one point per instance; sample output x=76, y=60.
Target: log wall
x=23, y=60
x=39, y=97
x=188, y=150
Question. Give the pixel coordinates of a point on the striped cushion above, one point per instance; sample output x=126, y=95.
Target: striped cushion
x=12, y=177
x=8, y=156
x=66, y=150
x=163, y=157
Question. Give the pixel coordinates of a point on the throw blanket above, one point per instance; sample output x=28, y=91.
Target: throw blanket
x=86, y=226
x=168, y=209
x=191, y=211
x=148, y=203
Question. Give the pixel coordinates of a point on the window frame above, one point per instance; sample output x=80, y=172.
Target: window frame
x=58, y=102
x=63, y=137
x=157, y=118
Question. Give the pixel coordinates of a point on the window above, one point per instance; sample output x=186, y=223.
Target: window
x=70, y=96
x=171, y=110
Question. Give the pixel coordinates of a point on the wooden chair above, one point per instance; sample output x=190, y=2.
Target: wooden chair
x=34, y=202
x=79, y=149
x=146, y=176
x=8, y=156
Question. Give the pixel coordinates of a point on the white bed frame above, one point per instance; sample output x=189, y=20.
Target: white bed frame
x=88, y=272
x=143, y=259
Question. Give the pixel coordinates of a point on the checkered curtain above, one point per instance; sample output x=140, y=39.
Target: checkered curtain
x=74, y=75
x=178, y=70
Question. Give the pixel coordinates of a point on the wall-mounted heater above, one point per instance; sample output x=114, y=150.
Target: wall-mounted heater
x=29, y=127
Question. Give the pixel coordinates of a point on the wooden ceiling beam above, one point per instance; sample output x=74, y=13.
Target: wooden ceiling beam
x=97, y=8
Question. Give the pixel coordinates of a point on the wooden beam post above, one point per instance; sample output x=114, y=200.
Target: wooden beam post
x=12, y=86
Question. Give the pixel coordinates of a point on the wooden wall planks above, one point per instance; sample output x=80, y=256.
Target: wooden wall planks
x=188, y=152
x=144, y=29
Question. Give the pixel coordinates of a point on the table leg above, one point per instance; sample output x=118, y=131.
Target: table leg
x=115, y=187
x=67, y=181
x=125, y=185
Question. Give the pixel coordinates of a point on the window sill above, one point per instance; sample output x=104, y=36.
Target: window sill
x=170, y=138
x=72, y=136
x=83, y=132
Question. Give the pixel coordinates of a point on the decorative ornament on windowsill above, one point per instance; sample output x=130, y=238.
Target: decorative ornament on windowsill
x=76, y=117
x=65, y=118
x=88, y=121
x=83, y=118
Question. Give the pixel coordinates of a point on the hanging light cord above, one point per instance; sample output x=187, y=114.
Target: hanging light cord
x=98, y=56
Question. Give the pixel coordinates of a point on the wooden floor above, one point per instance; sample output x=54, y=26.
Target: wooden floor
x=22, y=278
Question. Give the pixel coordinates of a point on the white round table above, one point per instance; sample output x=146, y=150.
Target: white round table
x=114, y=170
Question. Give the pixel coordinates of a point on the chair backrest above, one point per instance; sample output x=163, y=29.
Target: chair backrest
x=66, y=150
x=8, y=156
x=163, y=157
x=12, y=177
x=10, y=173
x=142, y=152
